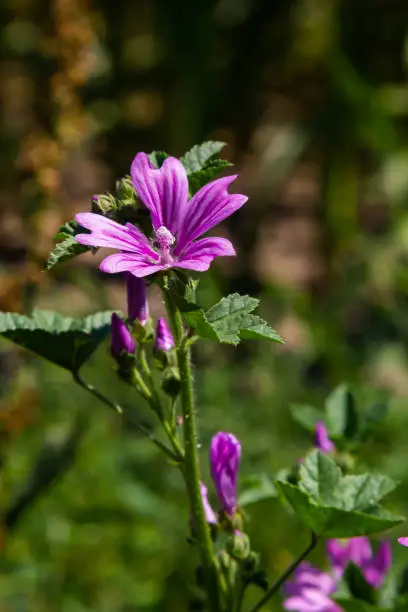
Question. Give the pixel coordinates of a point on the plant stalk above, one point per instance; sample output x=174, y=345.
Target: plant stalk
x=191, y=463
x=277, y=585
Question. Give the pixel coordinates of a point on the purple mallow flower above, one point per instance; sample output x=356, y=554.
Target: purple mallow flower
x=121, y=338
x=177, y=222
x=403, y=541
x=321, y=439
x=138, y=309
x=225, y=455
x=164, y=339
x=210, y=515
x=359, y=551
x=310, y=591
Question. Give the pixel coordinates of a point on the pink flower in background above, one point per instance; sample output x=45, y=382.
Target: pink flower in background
x=359, y=551
x=403, y=541
x=321, y=440
x=177, y=222
x=310, y=590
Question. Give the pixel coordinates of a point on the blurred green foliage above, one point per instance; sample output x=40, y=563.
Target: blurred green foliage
x=311, y=96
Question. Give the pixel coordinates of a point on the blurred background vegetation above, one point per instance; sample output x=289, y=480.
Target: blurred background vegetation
x=312, y=98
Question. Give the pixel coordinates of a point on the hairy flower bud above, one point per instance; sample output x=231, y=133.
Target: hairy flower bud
x=225, y=455
x=238, y=545
x=121, y=338
x=164, y=339
x=138, y=309
x=103, y=203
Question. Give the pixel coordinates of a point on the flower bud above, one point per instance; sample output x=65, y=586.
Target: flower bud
x=210, y=515
x=121, y=338
x=138, y=309
x=225, y=456
x=322, y=441
x=238, y=545
x=103, y=203
x=164, y=339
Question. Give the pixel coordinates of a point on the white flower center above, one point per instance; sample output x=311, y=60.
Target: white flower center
x=164, y=237
x=165, y=240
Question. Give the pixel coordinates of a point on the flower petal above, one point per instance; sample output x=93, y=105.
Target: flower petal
x=199, y=255
x=193, y=264
x=164, y=191
x=298, y=604
x=128, y=262
x=208, y=207
x=108, y=233
x=310, y=600
x=376, y=569
x=359, y=550
x=321, y=438
x=403, y=541
x=209, y=513
x=209, y=247
x=338, y=554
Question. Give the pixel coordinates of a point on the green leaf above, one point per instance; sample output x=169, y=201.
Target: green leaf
x=322, y=479
x=229, y=321
x=358, y=586
x=362, y=491
x=200, y=156
x=256, y=488
x=232, y=321
x=199, y=178
x=157, y=158
x=311, y=514
x=338, y=506
x=70, y=228
x=341, y=414
x=195, y=318
x=334, y=522
x=255, y=328
x=352, y=605
x=65, y=250
x=67, y=246
x=306, y=416
x=183, y=292
x=319, y=477
x=65, y=341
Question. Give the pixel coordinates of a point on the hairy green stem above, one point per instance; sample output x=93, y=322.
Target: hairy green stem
x=173, y=414
x=282, y=579
x=191, y=462
x=144, y=430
